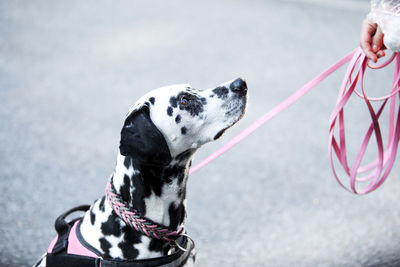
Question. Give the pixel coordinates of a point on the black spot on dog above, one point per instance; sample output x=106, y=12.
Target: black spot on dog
x=178, y=119
x=92, y=217
x=137, y=198
x=173, y=101
x=128, y=251
x=152, y=100
x=183, y=130
x=156, y=245
x=170, y=111
x=131, y=237
x=221, y=92
x=195, y=106
x=131, y=234
x=174, y=172
x=176, y=215
x=127, y=162
x=105, y=246
x=153, y=183
x=125, y=189
x=111, y=226
x=102, y=207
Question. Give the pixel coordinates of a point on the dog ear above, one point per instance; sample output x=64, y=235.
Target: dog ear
x=141, y=140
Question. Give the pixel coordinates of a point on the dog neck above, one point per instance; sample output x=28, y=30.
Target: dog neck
x=157, y=193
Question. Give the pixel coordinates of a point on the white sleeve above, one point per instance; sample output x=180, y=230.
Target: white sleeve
x=386, y=13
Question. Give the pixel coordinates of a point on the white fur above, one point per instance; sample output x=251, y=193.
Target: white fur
x=218, y=114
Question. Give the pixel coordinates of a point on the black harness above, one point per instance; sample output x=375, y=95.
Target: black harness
x=59, y=257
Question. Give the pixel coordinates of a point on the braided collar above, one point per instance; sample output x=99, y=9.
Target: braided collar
x=133, y=218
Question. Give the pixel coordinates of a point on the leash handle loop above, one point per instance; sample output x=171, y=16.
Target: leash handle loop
x=375, y=172
x=63, y=228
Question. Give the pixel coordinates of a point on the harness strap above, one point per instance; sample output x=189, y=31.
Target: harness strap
x=63, y=229
x=177, y=259
x=69, y=260
x=68, y=250
x=174, y=260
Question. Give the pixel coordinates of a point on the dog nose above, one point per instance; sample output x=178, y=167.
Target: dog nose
x=238, y=85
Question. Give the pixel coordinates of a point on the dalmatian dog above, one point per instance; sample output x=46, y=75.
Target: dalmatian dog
x=159, y=138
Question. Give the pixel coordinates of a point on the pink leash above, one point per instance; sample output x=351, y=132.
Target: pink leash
x=355, y=57
x=367, y=178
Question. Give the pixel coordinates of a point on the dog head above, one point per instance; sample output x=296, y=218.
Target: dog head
x=171, y=120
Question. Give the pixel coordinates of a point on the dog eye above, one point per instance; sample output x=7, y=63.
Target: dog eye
x=185, y=101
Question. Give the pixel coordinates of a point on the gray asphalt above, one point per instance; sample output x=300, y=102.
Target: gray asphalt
x=70, y=70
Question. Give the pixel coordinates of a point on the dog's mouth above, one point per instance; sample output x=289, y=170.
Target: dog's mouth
x=220, y=133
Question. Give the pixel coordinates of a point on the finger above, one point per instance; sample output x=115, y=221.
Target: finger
x=366, y=47
x=377, y=40
x=368, y=29
x=380, y=53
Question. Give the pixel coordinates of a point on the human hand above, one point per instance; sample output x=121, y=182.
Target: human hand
x=371, y=40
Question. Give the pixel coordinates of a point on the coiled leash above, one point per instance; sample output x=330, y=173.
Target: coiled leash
x=381, y=167
x=374, y=173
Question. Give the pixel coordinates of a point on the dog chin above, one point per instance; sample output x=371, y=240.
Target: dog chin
x=221, y=132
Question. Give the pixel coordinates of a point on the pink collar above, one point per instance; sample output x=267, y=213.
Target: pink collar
x=133, y=218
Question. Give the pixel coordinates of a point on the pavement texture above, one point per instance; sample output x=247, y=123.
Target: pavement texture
x=70, y=70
